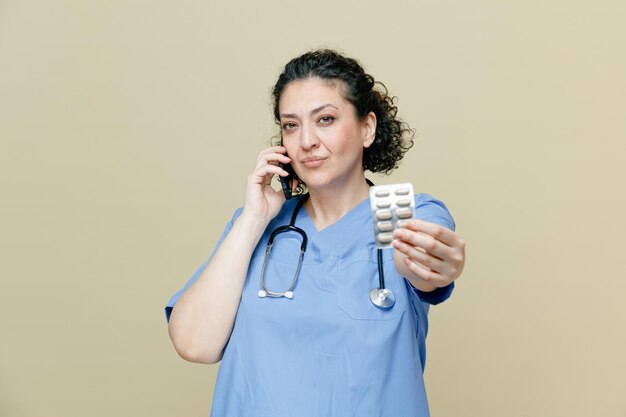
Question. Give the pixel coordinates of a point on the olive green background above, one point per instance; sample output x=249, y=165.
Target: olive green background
x=127, y=130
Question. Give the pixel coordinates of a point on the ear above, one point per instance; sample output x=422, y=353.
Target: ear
x=368, y=129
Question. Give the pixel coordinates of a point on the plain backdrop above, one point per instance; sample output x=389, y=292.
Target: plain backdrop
x=128, y=128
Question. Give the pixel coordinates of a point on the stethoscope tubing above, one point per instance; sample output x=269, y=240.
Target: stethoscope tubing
x=380, y=297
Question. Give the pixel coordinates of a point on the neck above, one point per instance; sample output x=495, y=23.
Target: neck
x=326, y=206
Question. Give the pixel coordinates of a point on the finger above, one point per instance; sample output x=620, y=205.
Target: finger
x=272, y=156
x=273, y=149
x=263, y=175
x=439, y=232
x=421, y=257
x=272, y=159
x=424, y=241
x=426, y=274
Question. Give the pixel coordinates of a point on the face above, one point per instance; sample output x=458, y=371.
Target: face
x=322, y=134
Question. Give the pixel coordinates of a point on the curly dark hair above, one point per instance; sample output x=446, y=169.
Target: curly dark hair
x=393, y=136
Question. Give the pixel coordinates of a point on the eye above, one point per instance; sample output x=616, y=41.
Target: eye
x=288, y=126
x=326, y=120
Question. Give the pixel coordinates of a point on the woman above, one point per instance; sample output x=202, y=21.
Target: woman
x=327, y=350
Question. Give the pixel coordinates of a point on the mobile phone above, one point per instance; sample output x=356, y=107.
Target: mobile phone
x=287, y=182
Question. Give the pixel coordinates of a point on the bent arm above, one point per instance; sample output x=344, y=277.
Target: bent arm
x=202, y=320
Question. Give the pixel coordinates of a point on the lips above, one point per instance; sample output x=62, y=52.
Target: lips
x=313, y=161
x=312, y=158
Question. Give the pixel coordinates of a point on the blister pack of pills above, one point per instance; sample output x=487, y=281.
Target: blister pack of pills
x=391, y=205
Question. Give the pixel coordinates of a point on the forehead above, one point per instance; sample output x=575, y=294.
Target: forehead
x=300, y=96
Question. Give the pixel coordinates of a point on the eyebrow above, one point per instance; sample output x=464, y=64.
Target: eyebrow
x=315, y=110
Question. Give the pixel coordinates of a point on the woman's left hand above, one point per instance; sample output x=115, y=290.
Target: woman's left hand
x=428, y=254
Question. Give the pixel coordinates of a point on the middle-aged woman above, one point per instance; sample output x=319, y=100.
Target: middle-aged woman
x=323, y=348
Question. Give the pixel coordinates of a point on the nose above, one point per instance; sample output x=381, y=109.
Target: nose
x=308, y=137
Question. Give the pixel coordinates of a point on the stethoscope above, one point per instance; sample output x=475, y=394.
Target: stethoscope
x=381, y=297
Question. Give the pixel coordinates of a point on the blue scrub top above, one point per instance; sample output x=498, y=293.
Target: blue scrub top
x=328, y=351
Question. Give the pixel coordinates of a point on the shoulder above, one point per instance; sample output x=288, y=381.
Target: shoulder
x=430, y=209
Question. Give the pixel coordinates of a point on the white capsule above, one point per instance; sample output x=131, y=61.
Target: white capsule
x=402, y=223
x=403, y=202
x=384, y=214
x=384, y=226
x=404, y=213
x=385, y=237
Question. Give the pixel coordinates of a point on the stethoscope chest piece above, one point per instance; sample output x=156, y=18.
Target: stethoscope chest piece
x=382, y=297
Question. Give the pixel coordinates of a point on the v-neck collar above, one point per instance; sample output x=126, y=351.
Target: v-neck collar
x=335, y=232
x=351, y=233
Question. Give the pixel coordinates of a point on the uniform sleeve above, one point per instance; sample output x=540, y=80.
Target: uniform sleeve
x=432, y=210
x=172, y=301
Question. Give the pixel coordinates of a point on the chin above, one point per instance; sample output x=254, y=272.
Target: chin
x=319, y=182
x=312, y=181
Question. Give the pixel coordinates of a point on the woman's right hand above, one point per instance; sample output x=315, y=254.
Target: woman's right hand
x=262, y=202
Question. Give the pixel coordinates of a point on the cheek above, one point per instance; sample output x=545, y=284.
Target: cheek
x=342, y=142
x=290, y=147
x=350, y=144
